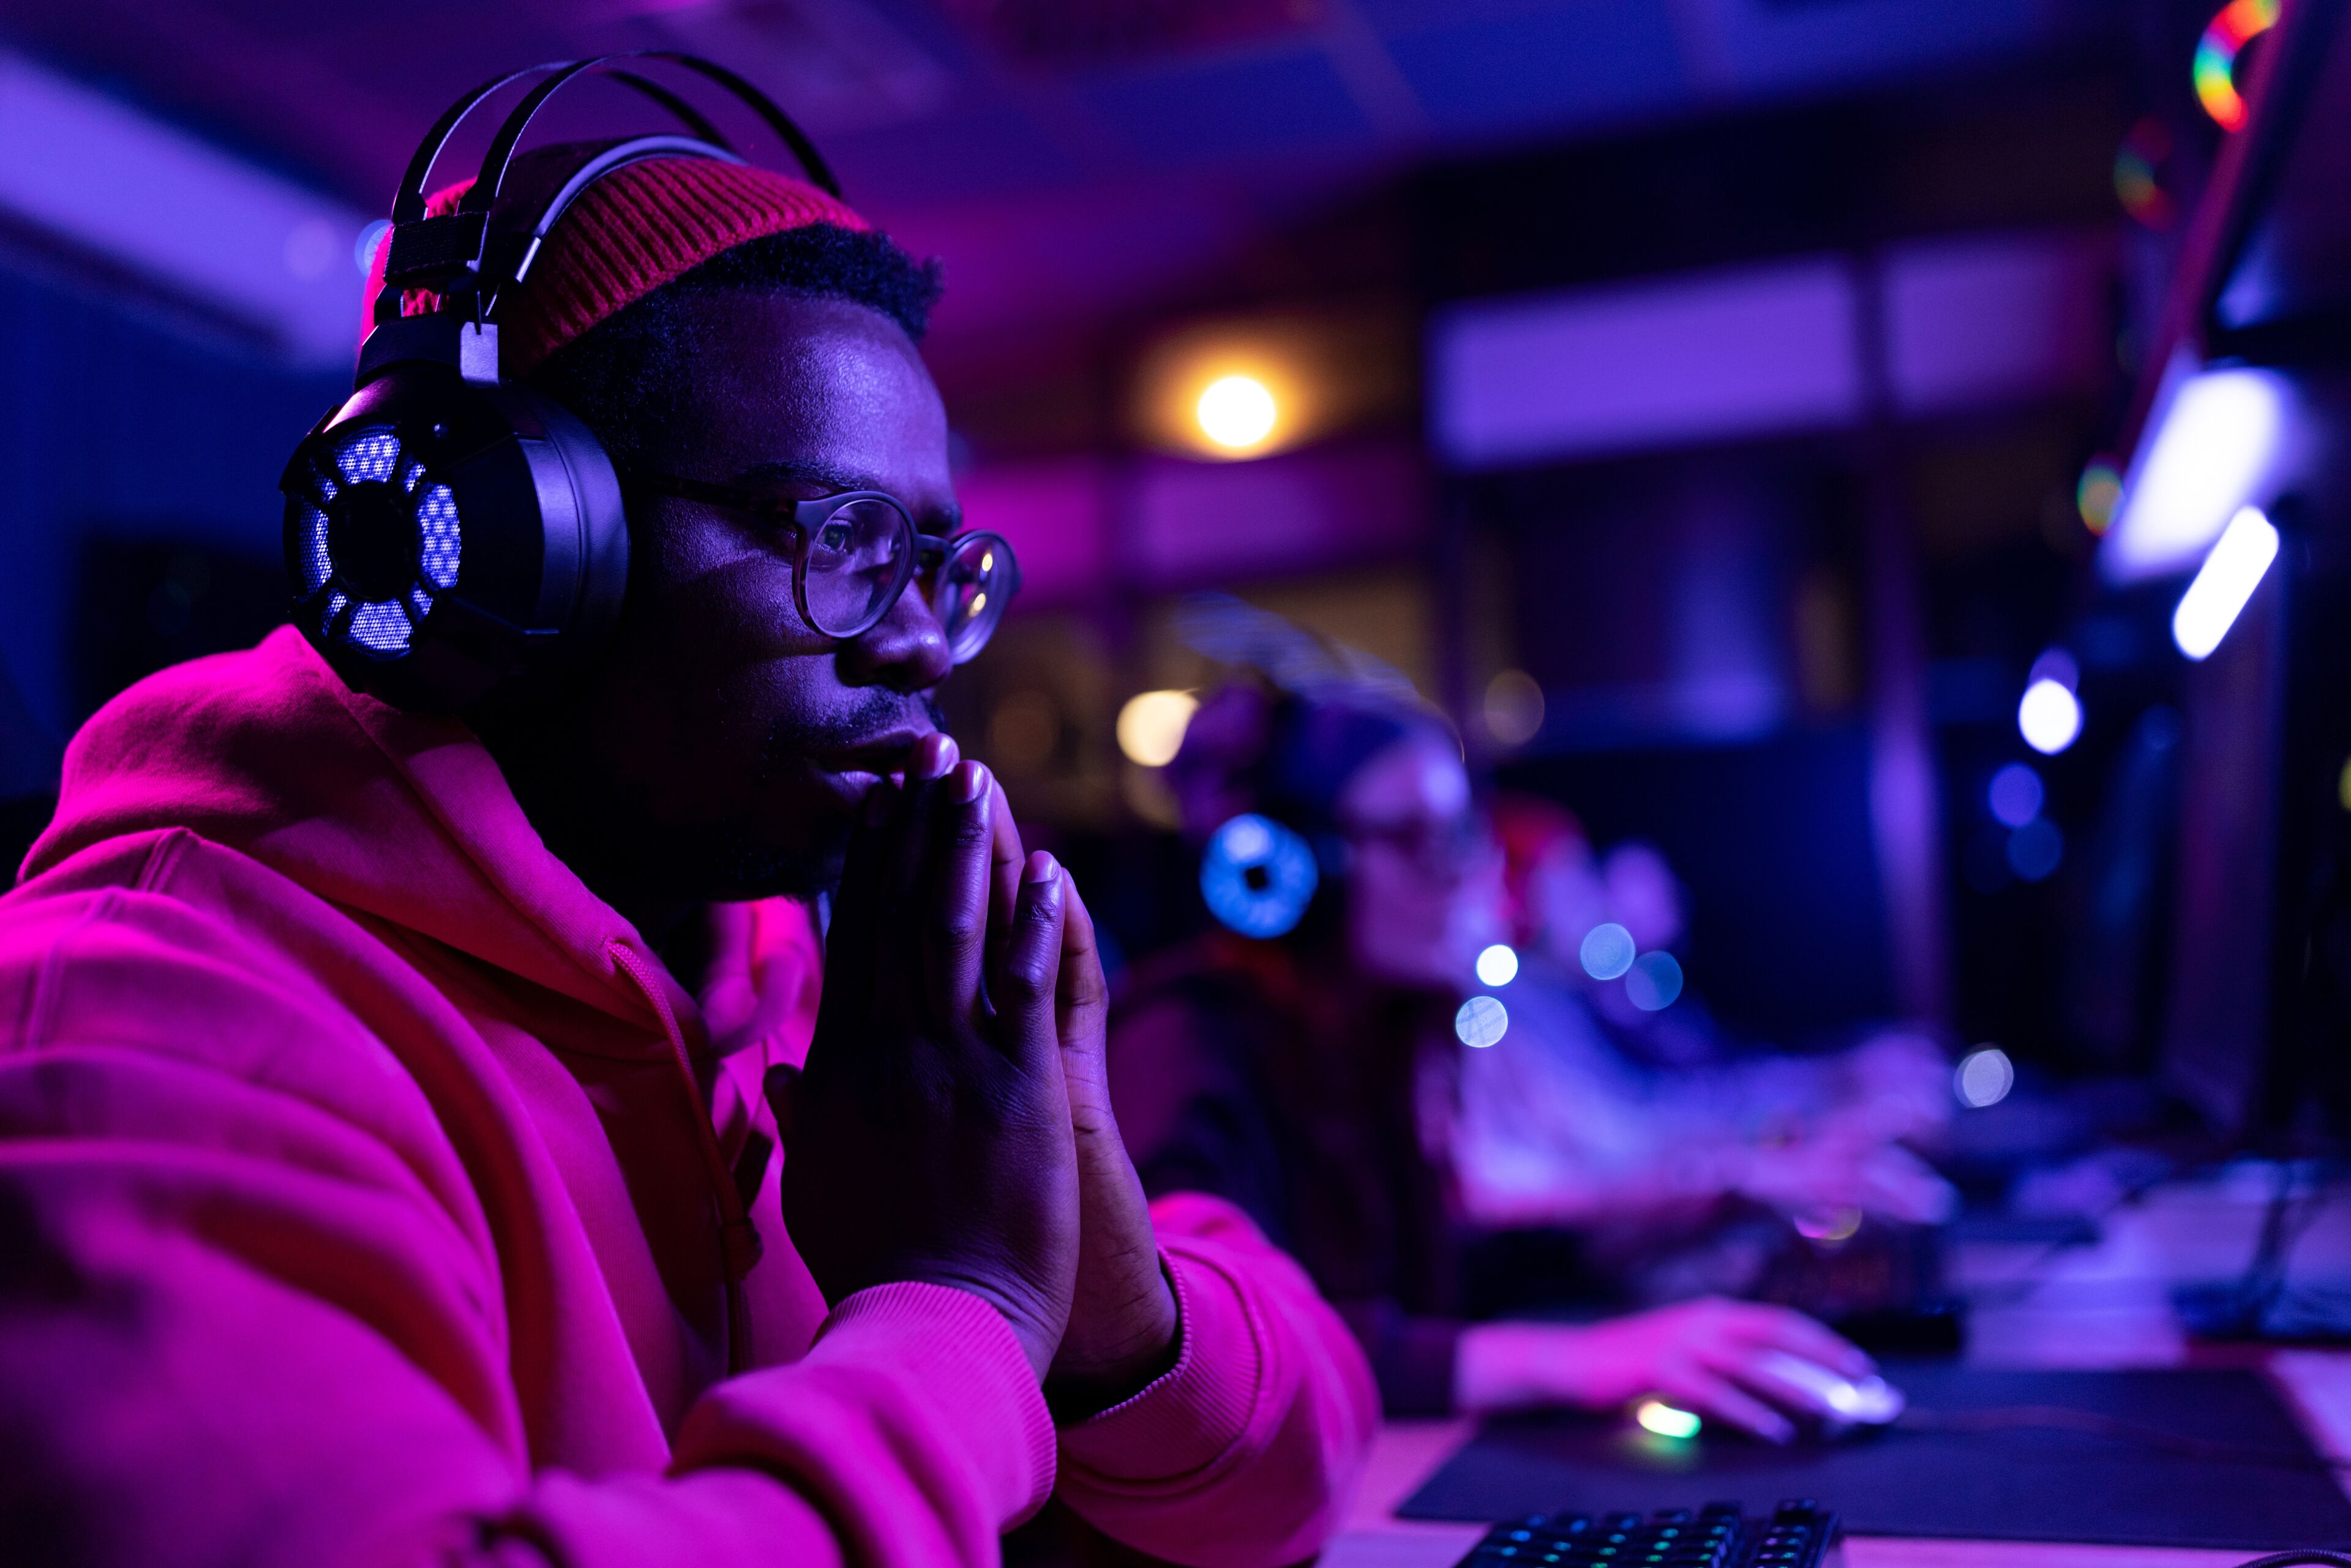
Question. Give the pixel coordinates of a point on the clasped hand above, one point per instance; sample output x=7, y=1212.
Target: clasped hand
x=952, y=1123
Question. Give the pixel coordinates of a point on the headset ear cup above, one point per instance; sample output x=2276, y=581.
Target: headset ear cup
x=452, y=545
x=584, y=530
x=1258, y=876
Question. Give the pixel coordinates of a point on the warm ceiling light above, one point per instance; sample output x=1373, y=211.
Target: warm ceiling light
x=1237, y=412
x=1150, y=726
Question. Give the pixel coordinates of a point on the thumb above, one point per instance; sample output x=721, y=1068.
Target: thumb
x=1028, y=971
x=1081, y=997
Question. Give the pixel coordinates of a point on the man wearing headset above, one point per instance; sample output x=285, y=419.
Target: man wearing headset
x=390, y=1103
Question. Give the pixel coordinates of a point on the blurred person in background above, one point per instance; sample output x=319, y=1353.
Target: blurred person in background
x=1311, y=1078
x=1644, y=1128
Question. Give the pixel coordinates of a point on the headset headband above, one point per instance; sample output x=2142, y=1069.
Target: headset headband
x=447, y=254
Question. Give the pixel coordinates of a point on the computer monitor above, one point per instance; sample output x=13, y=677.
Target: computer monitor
x=2257, y=1035
x=2256, y=344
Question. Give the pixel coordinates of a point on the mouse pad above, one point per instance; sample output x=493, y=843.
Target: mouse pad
x=2008, y=1483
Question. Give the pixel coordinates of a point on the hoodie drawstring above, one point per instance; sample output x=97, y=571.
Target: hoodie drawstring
x=738, y=1239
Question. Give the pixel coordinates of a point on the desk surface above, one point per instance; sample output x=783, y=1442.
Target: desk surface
x=2099, y=1306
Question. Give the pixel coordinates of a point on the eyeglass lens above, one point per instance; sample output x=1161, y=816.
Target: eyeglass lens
x=857, y=562
x=969, y=590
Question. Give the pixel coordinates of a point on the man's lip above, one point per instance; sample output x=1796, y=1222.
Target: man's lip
x=875, y=759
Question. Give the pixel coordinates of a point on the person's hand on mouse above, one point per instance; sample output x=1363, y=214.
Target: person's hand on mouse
x=1123, y=1319
x=1709, y=1356
x=928, y=1138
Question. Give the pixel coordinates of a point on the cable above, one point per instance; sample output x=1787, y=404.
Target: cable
x=2285, y=1217
x=2025, y=1281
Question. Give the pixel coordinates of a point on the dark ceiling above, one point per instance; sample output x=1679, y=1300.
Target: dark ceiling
x=1067, y=159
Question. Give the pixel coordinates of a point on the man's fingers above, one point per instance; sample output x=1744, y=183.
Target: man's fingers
x=851, y=961
x=899, y=977
x=955, y=917
x=1778, y=1328
x=1718, y=1399
x=1081, y=996
x=1025, y=983
x=1006, y=857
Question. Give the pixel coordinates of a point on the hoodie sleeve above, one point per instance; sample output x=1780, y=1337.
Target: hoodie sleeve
x=1247, y=1452
x=251, y=1310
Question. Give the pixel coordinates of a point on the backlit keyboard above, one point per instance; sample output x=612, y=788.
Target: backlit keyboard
x=1797, y=1535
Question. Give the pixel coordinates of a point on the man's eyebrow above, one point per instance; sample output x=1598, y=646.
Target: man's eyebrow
x=806, y=472
x=936, y=519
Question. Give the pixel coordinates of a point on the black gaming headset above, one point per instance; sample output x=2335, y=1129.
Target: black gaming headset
x=456, y=539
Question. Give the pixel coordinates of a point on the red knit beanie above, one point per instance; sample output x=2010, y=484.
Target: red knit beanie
x=643, y=226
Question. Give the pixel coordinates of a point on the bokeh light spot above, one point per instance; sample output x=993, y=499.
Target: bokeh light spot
x=2035, y=849
x=2096, y=497
x=2215, y=69
x=1607, y=951
x=1150, y=725
x=1481, y=1022
x=1237, y=412
x=1497, y=966
x=1513, y=708
x=2224, y=584
x=2015, y=796
x=1831, y=1223
x=1983, y=1077
x=2049, y=718
x=364, y=252
x=1654, y=981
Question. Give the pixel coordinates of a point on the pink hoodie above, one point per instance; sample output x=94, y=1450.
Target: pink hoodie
x=354, y=1209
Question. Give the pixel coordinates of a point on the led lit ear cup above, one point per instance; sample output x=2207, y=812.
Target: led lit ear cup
x=377, y=541
x=450, y=543
x=1258, y=876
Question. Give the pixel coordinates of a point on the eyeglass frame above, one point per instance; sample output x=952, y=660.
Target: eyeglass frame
x=804, y=518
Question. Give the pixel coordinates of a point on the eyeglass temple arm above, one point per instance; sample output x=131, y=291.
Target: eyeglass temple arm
x=776, y=509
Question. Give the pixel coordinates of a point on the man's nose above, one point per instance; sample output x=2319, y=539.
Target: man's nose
x=906, y=649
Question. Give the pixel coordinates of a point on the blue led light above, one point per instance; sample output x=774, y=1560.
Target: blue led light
x=315, y=566
x=2035, y=849
x=1258, y=876
x=370, y=458
x=411, y=476
x=1607, y=951
x=381, y=625
x=1654, y=982
x=2015, y=796
x=436, y=519
x=1481, y=1021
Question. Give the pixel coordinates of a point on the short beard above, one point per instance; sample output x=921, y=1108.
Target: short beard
x=611, y=836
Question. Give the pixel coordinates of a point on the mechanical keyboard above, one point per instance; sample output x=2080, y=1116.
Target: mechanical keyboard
x=1798, y=1535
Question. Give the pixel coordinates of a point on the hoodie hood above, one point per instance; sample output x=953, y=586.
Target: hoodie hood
x=402, y=817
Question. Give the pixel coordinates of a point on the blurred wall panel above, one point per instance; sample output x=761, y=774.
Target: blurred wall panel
x=161, y=202
x=1725, y=354
x=1056, y=512
x=1986, y=321
x=1200, y=523
x=1982, y=321
x=118, y=420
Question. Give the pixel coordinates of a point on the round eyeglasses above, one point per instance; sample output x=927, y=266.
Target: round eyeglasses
x=854, y=553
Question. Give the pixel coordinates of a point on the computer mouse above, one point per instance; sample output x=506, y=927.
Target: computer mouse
x=1846, y=1403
